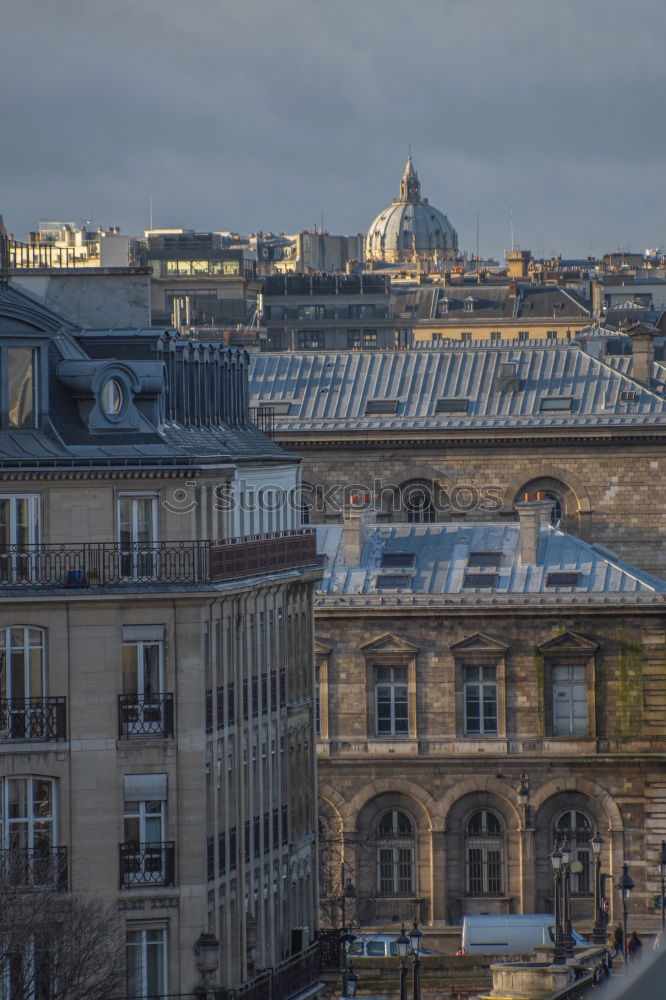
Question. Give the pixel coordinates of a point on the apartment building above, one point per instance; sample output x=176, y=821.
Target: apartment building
x=486, y=690
x=156, y=652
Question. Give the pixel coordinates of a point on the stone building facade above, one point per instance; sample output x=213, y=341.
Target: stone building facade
x=156, y=700
x=465, y=725
x=436, y=435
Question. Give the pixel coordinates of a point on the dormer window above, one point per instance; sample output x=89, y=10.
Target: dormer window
x=22, y=385
x=112, y=397
x=469, y=305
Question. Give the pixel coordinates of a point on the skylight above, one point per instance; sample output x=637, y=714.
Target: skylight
x=556, y=403
x=484, y=559
x=480, y=581
x=394, y=581
x=563, y=579
x=381, y=406
x=405, y=559
x=451, y=405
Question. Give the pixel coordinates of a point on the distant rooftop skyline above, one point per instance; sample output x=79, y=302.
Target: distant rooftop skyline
x=247, y=116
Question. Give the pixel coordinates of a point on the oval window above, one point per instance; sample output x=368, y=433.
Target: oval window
x=112, y=397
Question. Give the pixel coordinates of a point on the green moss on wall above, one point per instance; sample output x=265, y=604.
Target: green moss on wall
x=630, y=684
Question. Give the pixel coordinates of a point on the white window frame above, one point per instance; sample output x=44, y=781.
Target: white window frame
x=478, y=686
x=134, y=543
x=30, y=820
x=393, y=685
x=576, y=725
x=16, y=565
x=142, y=932
x=7, y=694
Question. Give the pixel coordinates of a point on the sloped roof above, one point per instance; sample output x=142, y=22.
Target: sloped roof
x=441, y=563
x=329, y=391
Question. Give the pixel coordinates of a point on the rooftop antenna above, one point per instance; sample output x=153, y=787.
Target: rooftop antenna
x=477, y=236
x=150, y=211
x=511, y=225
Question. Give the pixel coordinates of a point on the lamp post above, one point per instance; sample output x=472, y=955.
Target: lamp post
x=347, y=938
x=599, y=929
x=402, y=941
x=558, y=951
x=662, y=873
x=352, y=980
x=565, y=851
x=415, y=936
x=410, y=945
x=625, y=885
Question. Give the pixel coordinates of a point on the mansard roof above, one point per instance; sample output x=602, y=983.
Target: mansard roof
x=184, y=404
x=477, y=563
x=453, y=390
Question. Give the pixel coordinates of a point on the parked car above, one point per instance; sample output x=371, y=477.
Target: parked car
x=378, y=946
x=514, y=933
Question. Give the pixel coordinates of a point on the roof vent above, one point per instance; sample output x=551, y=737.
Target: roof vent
x=507, y=379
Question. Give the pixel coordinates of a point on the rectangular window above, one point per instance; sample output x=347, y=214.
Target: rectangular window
x=466, y=337
x=523, y=335
x=484, y=559
x=551, y=334
x=381, y=406
x=310, y=340
x=393, y=559
x=21, y=387
x=480, y=691
x=146, y=953
x=451, y=405
x=563, y=579
x=137, y=536
x=143, y=705
x=19, y=534
x=391, y=701
x=495, y=336
x=569, y=700
x=480, y=581
x=556, y=402
x=393, y=582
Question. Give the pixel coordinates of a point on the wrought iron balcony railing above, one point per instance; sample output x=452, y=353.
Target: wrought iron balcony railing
x=105, y=564
x=145, y=715
x=147, y=864
x=33, y=719
x=32, y=868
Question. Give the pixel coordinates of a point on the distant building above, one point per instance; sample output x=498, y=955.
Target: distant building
x=316, y=252
x=486, y=690
x=410, y=229
x=330, y=312
x=435, y=433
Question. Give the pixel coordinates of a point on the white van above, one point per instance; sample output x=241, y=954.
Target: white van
x=516, y=933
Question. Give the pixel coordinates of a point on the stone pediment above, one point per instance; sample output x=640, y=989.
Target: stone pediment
x=390, y=644
x=568, y=642
x=479, y=643
x=321, y=649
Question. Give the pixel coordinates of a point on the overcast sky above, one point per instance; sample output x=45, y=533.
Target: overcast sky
x=262, y=114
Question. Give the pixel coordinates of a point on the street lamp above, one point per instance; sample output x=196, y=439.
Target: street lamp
x=415, y=936
x=625, y=885
x=352, y=980
x=565, y=851
x=662, y=873
x=599, y=929
x=558, y=951
x=402, y=941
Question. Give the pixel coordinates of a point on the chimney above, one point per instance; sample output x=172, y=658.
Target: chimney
x=518, y=263
x=596, y=297
x=642, y=346
x=357, y=513
x=532, y=515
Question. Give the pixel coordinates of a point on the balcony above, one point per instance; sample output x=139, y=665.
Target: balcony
x=147, y=715
x=33, y=719
x=144, y=865
x=180, y=563
x=35, y=868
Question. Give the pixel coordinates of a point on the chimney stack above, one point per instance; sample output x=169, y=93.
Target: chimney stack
x=356, y=514
x=642, y=346
x=532, y=515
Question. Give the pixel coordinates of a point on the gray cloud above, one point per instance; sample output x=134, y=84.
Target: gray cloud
x=259, y=114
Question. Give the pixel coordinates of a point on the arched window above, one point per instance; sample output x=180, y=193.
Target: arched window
x=419, y=507
x=395, y=855
x=575, y=827
x=484, y=854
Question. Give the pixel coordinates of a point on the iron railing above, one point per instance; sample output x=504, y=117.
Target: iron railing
x=145, y=715
x=102, y=564
x=330, y=948
x=33, y=719
x=283, y=981
x=31, y=868
x=147, y=864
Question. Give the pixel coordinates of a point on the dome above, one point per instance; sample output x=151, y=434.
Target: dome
x=410, y=226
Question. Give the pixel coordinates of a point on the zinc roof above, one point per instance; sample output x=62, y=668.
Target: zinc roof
x=329, y=391
x=441, y=562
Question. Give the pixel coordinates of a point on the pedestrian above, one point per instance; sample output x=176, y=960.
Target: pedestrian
x=634, y=945
x=617, y=941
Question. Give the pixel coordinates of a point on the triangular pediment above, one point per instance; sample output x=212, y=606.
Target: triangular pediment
x=479, y=643
x=390, y=643
x=321, y=649
x=568, y=641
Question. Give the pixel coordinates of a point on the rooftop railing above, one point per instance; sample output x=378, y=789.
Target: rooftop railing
x=107, y=564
